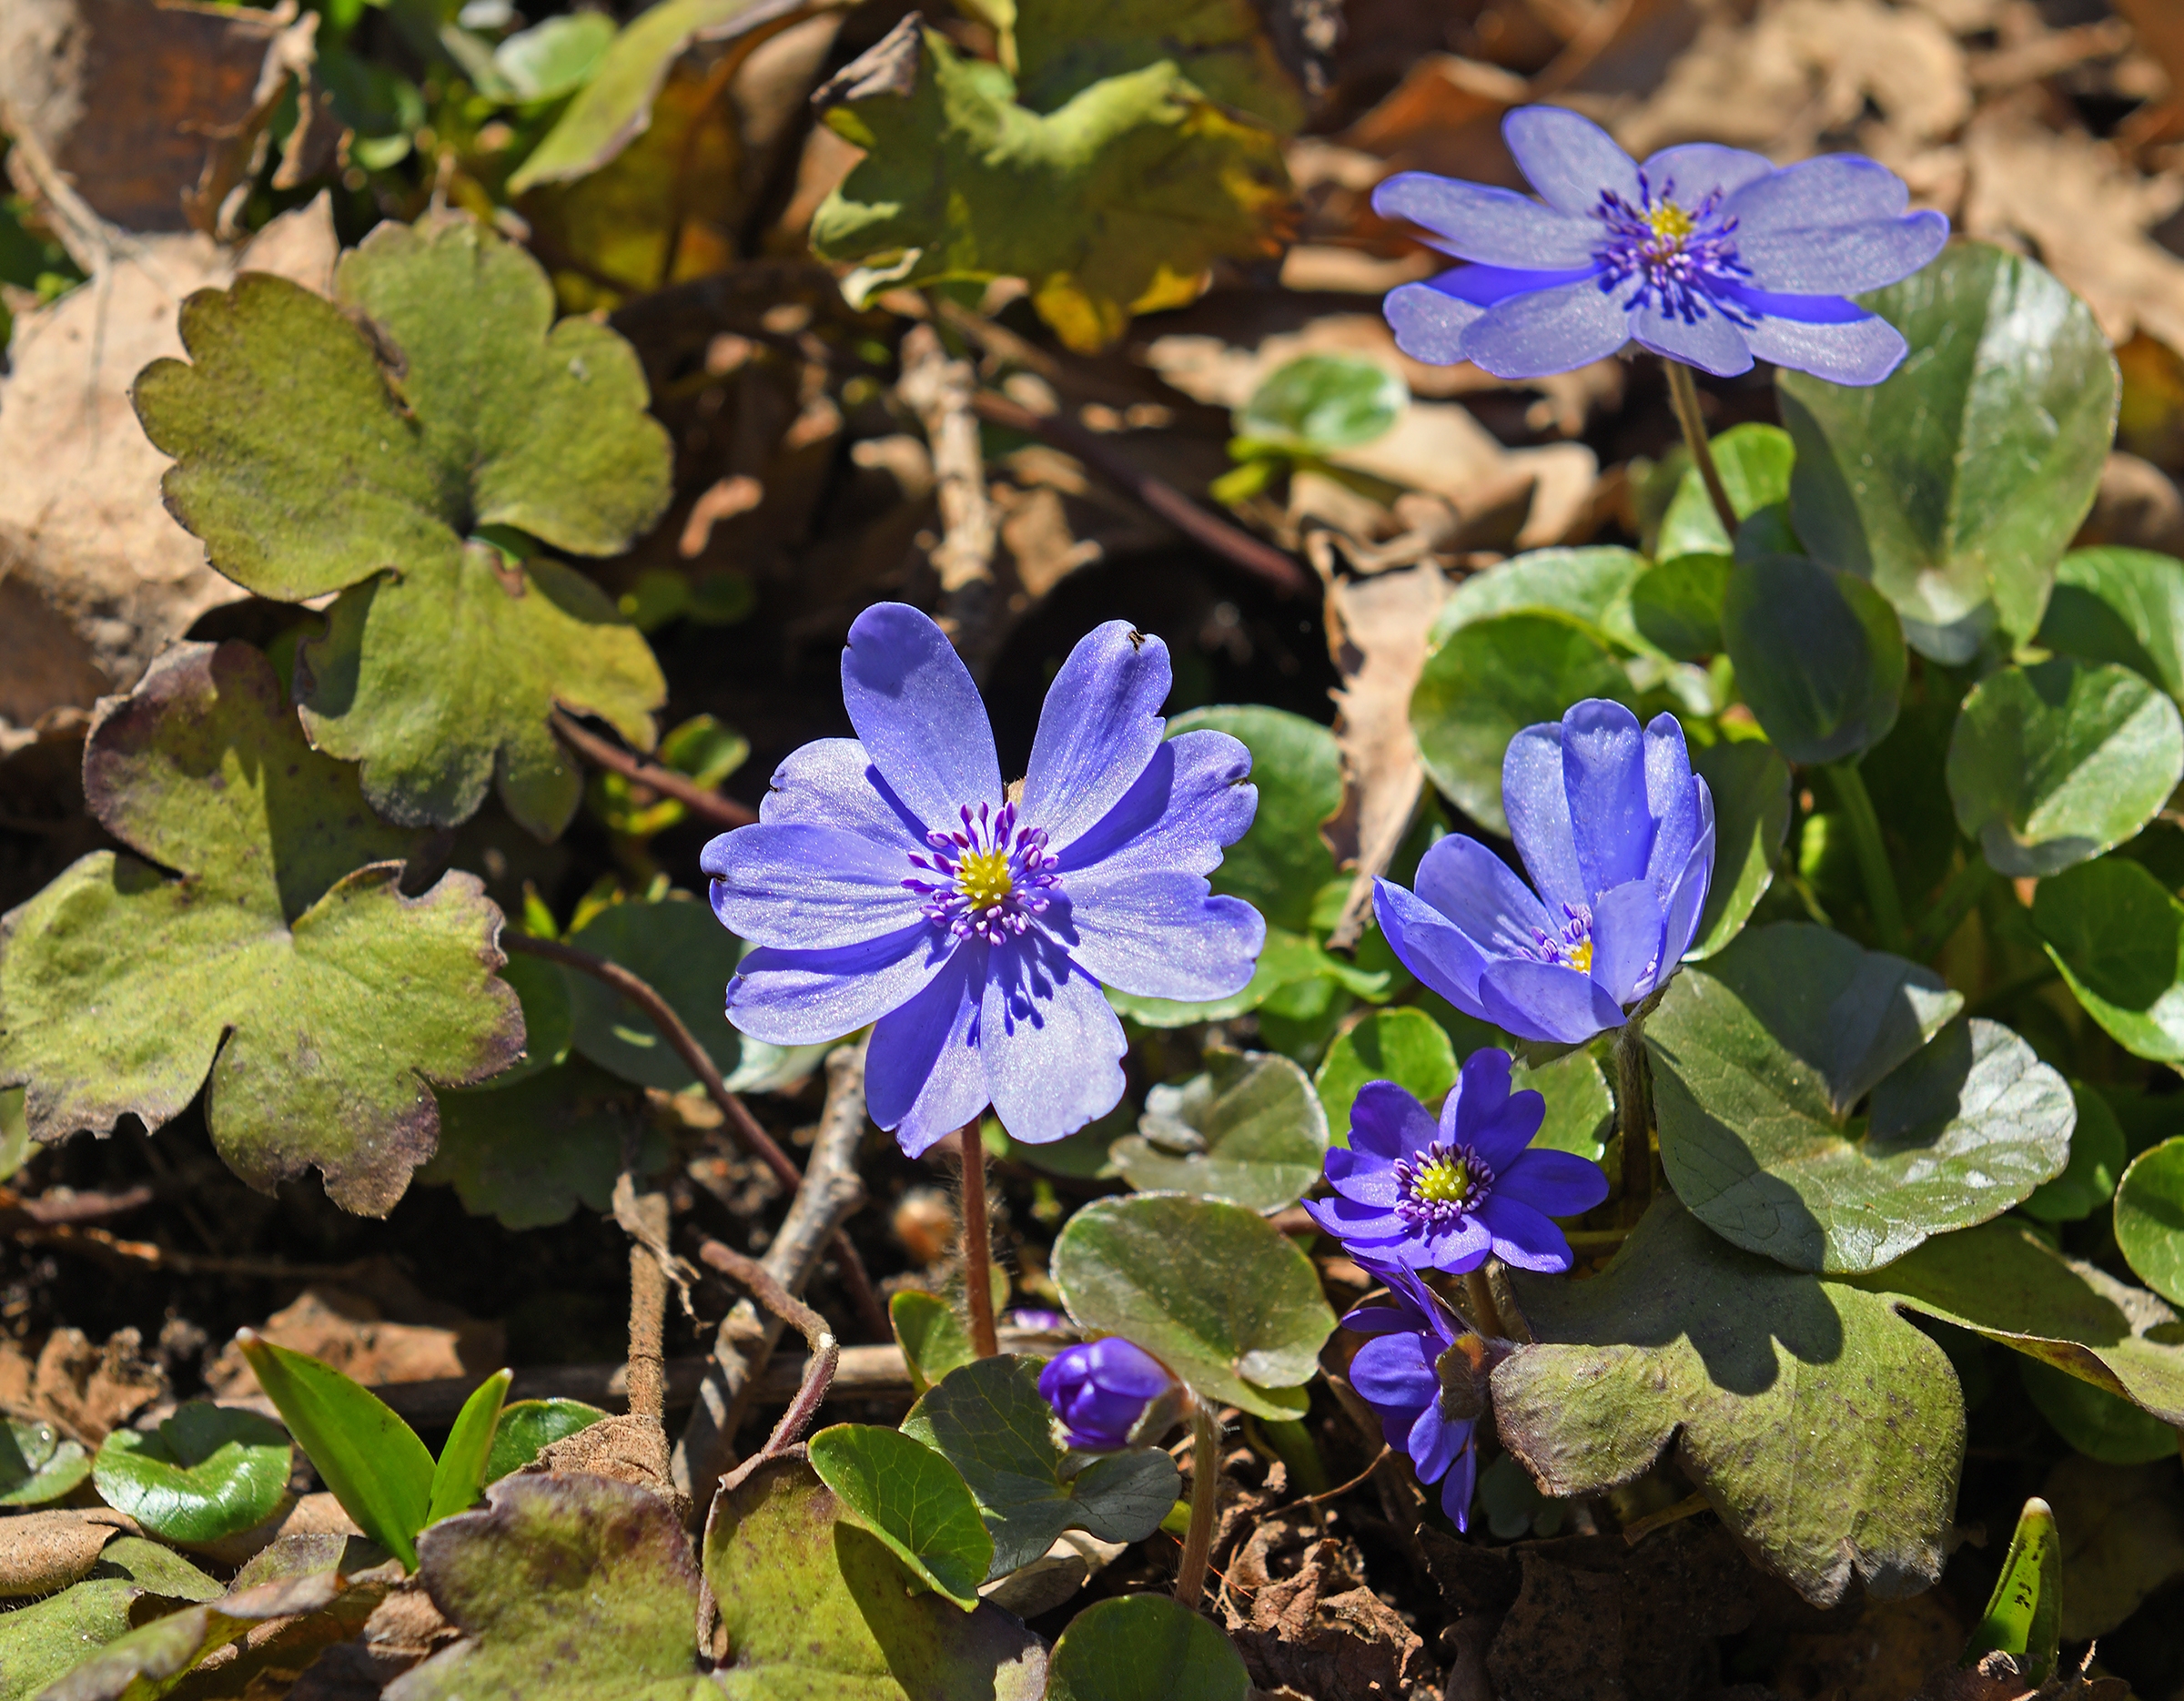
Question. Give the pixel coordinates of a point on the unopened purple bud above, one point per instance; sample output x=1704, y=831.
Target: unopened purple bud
x=1045, y=1323
x=1101, y=1389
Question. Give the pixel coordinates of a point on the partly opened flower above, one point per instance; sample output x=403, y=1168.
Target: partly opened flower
x=891, y=879
x=1424, y=1375
x=1102, y=1391
x=1706, y=254
x=1418, y=1195
x=1617, y=834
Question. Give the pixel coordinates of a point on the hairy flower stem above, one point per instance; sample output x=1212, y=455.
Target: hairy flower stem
x=1881, y=895
x=977, y=1244
x=1486, y=1316
x=1634, y=1107
x=1205, y=1485
x=1683, y=396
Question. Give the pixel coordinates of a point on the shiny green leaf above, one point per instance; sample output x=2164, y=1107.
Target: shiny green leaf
x=459, y=1476
x=206, y=1472
x=1592, y=586
x=36, y=1463
x=934, y=1340
x=1249, y=1130
x=528, y=1427
x=2119, y=939
x=2120, y=605
x=1754, y=462
x=2149, y=1219
x=1676, y=605
x=1819, y=655
x=555, y=57
x=1751, y=786
x=1581, y=1114
x=1404, y=1046
x=1223, y=47
x=682, y=953
x=2097, y=1155
x=912, y=1499
x=1132, y=1647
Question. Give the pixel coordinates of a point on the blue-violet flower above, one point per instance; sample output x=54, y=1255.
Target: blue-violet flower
x=1425, y=1376
x=892, y=879
x=1617, y=834
x=1101, y=1389
x=1413, y=1194
x=1707, y=255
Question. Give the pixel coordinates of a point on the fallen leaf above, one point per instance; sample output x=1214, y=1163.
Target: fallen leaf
x=89, y=1390
x=348, y=1332
x=44, y=1550
x=1311, y=1623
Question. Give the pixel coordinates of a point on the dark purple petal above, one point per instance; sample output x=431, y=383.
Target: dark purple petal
x=1482, y=898
x=1806, y=309
x=1347, y=1220
x=1555, y=1183
x=1101, y=1389
x=1362, y=1177
x=1863, y=352
x=1479, y=1098
x=1543, y=1001
x=1429, y=325
x=1462, y=1246
x=1457, y=1486
x=1388, y=1123
x=1710, y=342
x=1524, y=1237
x=1841, y=259
x=1194, y=796
x=1569, y=159
x=1097, y=729
x=1482, y=286
x=1603, y=778
x=1672, y=796
x=1430, y=947
x=923, y=1078
x=1687, y=900
x=809, y=889
x=1378, y=1319
x=1834, y=189
x=1692, y=171
x=919, y=714
x=831, y=782
x=1548, y=331
x=1494, y=226
x=1538, y=807
x=1158, y=935
x=1394, y=1371
x=1499, y=1136
x=1433, y=1443
x=1626, y=939
x=807, y=997
x=1052, y=1046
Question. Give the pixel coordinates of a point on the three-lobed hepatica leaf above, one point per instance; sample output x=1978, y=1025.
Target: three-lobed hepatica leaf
x=206, y=1472
x=989, y=1420
x=37, y=1464
x=933, y=1338
x=2117, y=936
x=913, y=1499
x=2094, y=1421
x=814, y=1608
x=1955, y=485
x=1130, y=1647
x=312, y=458
x=1061, y=47
x=2098, y=1154
x=1248, y=1128
x=1754, y=462
x=1819, y=655
x=1405, y=1045
x=1116, y=202
x=1211, y=1289
x=2149, y=1219
x=1826, y=1430
x=320, y=999
x=1760, y=1060
x=2053, y=764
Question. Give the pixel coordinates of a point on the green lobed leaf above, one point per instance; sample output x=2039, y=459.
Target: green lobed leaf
x=2097, y=1156
x=813, y=1608
x=989, y=1419
x=458, y=1476
x=934, y=1340
x=687, y=957
x=1751, y=786
x=2149, y=1218
x=312, y=458
x=2120, y=605
x=206, y=1472
x=1061, y=48
x=1321, y=402
x=1819, y=655
x=1760, y=1060
x=542, y=988
x=159, y=1571
x=528, y=1427
x=1280, y=864
x=1131, y=1647
x=1955, y=483
x=912, y=1499
x=1405, y=1045
x=321, y=1000
x=17, y=1146
x=1211, y=1288
x=1824, y=1429
x=1581, y=1113
x=2024, y=1614
x=37, y=1464
x=1754, y=462
x=554, y=58
x=2053, y=764
x=152, y=1659
x=2117, y=936
x=531, y=1154
x=1248, y=1128
x=366, y=1455
x=2093, y=1421
x=1676, y=604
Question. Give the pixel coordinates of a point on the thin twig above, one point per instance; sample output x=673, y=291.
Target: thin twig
x=818, y=1370
x=50, y=1211
x=685, y=791
x=1683, y=396
x=977, y=1242
x=1341, y=1489
x=939, y=390
x=648, y=1310
x=1690, y=1506
x=1262, y=561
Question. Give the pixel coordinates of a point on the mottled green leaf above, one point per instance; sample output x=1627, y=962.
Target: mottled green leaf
x=206, y=1472
x=152, y=1659
x=1211, y=1288
x=1248, y=1128
x=1404, y=1046
x=42, y=1641
x=160, y=1571
x=531, y=1154
x=2024, y=1616
x=1955, y=483
x=1751, y=786
x=1061, y=49
x=313, y=457
x=2120, y=605
x=1819, y=656
x=989, y=1419
x=912, y=1499
x=528, y=1427
x=2097, y=1155
x=1133, y=1646
x=2117, y=936
x=17, y=1146
x=36, y=1463
x=1827, y=1430
x=543, y=989
x=2149, y=1219
x=2053, y=764
x=321, y=1000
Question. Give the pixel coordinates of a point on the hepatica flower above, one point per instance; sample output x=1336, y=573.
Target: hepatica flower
x=1413, y=1194
x=1425, y=1378
x=1617, y=834
x=1102, y=1390
x=1707, y=255
x=892, y=879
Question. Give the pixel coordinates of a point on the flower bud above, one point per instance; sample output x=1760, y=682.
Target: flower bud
x=1103, y=1390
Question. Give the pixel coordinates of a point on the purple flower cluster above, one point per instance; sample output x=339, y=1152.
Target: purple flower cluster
x=892, y=879
x=1101, y=1390
x=1411, y=1193
x=1704, y=254
x=1427, y=1388
x=1618, y=836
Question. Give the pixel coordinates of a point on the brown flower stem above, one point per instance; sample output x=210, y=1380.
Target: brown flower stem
x=1683, y=396
x=1631, y=1118
x=977, y=1244
x=725, y=811
x=1205, y=1492
x=1485, y=1315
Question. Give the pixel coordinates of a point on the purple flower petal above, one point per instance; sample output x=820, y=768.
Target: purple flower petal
x=1477, y=1100
x=1457, y=1486
x=1569, y=159
x=807, y=997
x=1347, y=1220
x=1542, y=1001
x=1555, y=1183
x=1433, y=1443
x=1394, y=1371
x=1462, y=1246
x=1688, y=900
x=1427, y=945
x=1834, y=189
x=1052, y=1048
x=1603, y=778
x=1158, y=935
x=1388, y=1123
x=1378, y=1319
x=923, y=1077
x=1481, y=897
x=831, y=782
x=1494, y=226
x=1672, y=797
x=809, y=889
x=1803, y=309
x=1538, y=807
x=1099, y=728
x=1524, y=1237
x=1626, y=939
x=1864, y=351
x=1499, y=1142
x=1548, y=331
x=1841, y=259
x=1709, y=342
x=1363, y=1177
x=1692, y=171
x=919, y=714
x=1482, y=286
x=1429, y=324
x=1193, y=797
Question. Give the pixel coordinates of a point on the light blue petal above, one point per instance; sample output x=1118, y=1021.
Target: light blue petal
x=1688, y=900
x=1711, y=342
x=1542, y=1001
x=1387, y=1123
x=919, y=714
x=923, y=1078
x=1864, y=351
x=1097, y=729
x=1690, y=172
x=1841, y=259
x=1553, y=1183
x=1569, y=159
x=1538, y=807
x=1393, y=1370
x=1053, y=1046
x=1494, y=226
x=1429, y=326
x=1672, y=796
x=1524, y=1238
x=1158, y=935
x=1482, y=898
x=809, y=889
x=1603, y=779
x=1457, y=1486
x=1834, y=189
x=831, y=782
x=1626, y=939
x=1548, y=331
x=1430, y=947
x=1433, y=1443
x=1194, y=796
x=808, y=998
x=1457, y=1249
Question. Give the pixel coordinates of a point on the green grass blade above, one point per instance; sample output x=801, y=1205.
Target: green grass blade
x=2025, y=1615
x=458, y=1479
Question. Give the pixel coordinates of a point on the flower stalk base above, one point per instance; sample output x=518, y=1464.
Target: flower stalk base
x=977, y=1245
x=1683, y=396
x=1205, y=1491
x=1633, y=1109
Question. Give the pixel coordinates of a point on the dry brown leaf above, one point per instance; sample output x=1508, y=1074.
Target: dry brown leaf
x=348, y=1332
x=89, y=1390
x=44, y=1550
x=2138, y=507
x=1300, y=1613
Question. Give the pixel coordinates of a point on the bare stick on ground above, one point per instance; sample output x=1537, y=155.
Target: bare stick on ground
x=685, y=791
x=939, y=390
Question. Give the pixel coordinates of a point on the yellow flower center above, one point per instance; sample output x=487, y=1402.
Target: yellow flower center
x=1581, y=957
x=982, y=878
x=1671, y=224
x=1445, y=1180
